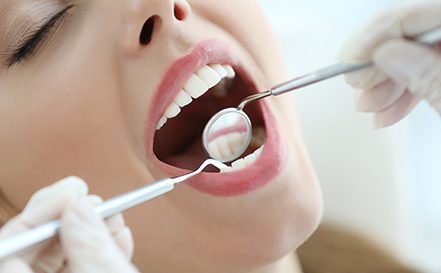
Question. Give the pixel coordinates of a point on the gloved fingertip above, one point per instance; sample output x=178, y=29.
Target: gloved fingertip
x=124, y=239
x=116, y=223
x=75, y=185
x=362, y=106
x=378, y=123
x=380, y=97
x=72, y=187
x=397, y=58
x=383, y=120
x=95, y=200
x=368, y=102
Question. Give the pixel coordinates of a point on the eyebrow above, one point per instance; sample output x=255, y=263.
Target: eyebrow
x=20, y=21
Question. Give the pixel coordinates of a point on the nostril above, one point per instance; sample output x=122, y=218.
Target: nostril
x=180, y=13
x=147, y=31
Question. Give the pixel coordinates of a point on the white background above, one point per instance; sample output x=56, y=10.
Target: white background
x=385, y=184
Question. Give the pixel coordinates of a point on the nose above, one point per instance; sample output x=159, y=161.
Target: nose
x=145, y=18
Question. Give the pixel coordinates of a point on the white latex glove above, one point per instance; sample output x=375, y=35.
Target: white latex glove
x=405, y=72
x=85, y=244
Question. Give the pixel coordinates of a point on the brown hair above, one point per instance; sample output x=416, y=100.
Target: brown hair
x=333, y=249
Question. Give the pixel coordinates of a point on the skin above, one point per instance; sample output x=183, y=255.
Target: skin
x=78, y=107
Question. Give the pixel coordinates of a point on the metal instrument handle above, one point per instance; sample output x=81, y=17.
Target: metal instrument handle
x=429, y=38
x=22, y=242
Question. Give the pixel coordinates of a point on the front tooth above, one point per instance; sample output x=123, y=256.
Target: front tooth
x=213, y=150
x=258, y=152
x=236, y=141
x=227, y=145
x=209, y=76
x=230, y=71
x=238, y=164
x=183, y=99
x=219, y=70
x=161, y=123
x=172, y=111
x=250, y=159
x=195, y=86
x=227, y=170
x=244, y=162
x=224, y=147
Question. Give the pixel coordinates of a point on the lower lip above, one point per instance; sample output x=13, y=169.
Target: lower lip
x=266, y=168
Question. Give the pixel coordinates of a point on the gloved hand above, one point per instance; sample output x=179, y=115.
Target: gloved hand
x=405, y=72
x=87, y=244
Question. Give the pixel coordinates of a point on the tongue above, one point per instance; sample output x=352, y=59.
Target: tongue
x=191, y=158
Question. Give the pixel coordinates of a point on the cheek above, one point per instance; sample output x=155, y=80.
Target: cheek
x=59, y=124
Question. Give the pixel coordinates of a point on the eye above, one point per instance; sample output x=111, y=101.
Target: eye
x=36, y=38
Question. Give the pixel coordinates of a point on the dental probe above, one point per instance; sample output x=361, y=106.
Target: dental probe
x=429, y=38
x=24, y=241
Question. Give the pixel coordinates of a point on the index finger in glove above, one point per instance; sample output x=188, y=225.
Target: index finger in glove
x=45, y=205
x=88, y=242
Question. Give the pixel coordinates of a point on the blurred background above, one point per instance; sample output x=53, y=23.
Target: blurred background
x=385, y=184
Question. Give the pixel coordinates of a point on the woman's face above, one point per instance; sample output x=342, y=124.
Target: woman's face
x=83, y=85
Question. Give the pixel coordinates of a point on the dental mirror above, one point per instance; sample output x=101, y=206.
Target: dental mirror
x=227, y=135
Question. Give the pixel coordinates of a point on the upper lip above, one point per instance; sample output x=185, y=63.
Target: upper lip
x=205, y=53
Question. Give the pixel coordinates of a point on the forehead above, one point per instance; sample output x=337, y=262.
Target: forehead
x=5, y=7
x=14, y=8
x=10, y=9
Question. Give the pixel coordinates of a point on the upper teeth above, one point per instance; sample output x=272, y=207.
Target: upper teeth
x=197, y=85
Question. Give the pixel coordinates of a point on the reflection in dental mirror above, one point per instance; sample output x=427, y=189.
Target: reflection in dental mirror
x=227, y=135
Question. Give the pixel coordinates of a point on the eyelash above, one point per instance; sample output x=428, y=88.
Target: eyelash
x=30, y=46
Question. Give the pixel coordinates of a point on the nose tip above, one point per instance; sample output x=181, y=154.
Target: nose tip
x=181, y=11
x=148, y=19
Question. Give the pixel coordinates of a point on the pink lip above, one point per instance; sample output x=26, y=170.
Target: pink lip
x=266, y=168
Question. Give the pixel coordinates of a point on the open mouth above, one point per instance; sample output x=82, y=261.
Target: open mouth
x=193, y=89
x=178, y=138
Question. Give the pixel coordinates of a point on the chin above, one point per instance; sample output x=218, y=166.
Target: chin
x=276, y=219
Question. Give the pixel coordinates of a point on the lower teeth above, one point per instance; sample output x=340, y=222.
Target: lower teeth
x=244, y=162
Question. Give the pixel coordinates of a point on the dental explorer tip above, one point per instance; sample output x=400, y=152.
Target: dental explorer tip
x=205, y=164
x=216, y=164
